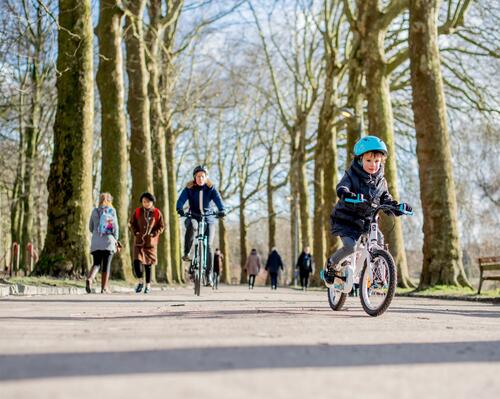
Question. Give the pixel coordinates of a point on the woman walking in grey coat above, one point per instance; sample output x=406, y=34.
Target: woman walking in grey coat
x=103, y=225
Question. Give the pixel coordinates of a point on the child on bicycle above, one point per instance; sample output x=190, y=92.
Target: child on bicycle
x=193, y=193
x=364, y=177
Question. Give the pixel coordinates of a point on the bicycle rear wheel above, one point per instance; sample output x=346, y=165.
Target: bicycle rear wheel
x=378, y=282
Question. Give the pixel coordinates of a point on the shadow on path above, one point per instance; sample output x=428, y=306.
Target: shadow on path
x=212, y=359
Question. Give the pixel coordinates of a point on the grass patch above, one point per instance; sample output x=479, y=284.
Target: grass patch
x=447, y=290
x=46, y=281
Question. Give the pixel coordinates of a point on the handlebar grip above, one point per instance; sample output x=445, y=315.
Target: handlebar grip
x=404, y=212
x=359, y=199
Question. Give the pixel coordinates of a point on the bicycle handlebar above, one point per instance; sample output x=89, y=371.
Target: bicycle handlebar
x=199, y=215
x=360, y=200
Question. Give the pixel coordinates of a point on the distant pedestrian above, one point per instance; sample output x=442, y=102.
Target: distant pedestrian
x=252, y=267
x=273, y=266
x=304, y=267
x=103, y=225
x=218, y=266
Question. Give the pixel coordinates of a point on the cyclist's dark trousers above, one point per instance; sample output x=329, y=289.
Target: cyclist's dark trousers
x=346, y=250
x=304, y=280
x=102, y=259
x=251, y=280
x=139, y=273
x=191, y=229
x=274, y=280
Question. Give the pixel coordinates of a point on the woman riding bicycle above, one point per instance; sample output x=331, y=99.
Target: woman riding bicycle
x=365, y=177
x=199, y=187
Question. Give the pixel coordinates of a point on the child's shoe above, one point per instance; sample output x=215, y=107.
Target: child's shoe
x=139, y=288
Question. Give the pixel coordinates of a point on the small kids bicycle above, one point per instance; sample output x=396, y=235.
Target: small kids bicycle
x=370, y=264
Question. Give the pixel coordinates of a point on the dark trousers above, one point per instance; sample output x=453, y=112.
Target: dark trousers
x=191, y=230
x=138, y=270
x=274, y=279
x=304, y=280
x=102, y=259
x=251, y=280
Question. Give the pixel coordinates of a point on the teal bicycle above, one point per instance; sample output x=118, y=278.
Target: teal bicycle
x=198, y=266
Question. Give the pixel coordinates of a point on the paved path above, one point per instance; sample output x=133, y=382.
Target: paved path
x=236, y=343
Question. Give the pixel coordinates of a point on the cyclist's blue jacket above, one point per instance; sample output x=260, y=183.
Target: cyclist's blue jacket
x=351, y=220
x=192, y=192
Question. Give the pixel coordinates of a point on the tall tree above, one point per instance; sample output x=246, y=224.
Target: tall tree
x=167, y=80
x=305, y=73
x=159, y=22
x=138, y=102
x=70, y=178
x=442, y=262
x=114, y=169
x=248, y=171
x=373, y=22
x=325, y=163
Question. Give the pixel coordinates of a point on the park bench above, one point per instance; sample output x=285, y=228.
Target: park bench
x=490, y=265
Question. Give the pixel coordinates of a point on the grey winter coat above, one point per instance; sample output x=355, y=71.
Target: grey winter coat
x=102, y=242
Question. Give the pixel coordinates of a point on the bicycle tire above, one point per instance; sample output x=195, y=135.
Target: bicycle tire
x=199, y=272
x=391, y=286
x=336, y=306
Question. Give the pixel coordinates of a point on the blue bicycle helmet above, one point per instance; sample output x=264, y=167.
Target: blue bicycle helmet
x=369, y=143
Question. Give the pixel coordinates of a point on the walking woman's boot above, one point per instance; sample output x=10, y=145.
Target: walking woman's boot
x=90, y=279
x=104, y=283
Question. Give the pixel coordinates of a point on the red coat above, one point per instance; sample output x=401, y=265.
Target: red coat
x=146, y=226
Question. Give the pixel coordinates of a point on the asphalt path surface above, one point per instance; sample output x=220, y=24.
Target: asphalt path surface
x=236, y=343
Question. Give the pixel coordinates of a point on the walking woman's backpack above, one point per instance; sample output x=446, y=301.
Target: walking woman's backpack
x=107, y=220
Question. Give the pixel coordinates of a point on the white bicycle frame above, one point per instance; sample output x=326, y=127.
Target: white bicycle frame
x=361, y=254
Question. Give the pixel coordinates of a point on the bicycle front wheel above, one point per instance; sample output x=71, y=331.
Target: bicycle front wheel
x=198, y=279
x=378, y=282
x=336, y=298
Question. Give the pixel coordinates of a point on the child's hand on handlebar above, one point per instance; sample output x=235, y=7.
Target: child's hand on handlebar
x=403, y=209
x=349, y=195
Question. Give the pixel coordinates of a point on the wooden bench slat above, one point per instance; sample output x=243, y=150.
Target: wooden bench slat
x=490, y=267
x=489, y=264
x=489, y=259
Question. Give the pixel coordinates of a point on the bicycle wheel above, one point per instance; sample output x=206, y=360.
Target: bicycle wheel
x=336, y=298
x=198, y=280
x=378, y=282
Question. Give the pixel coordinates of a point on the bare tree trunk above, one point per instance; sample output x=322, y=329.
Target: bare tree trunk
x=16, y=206
x=138, y=103
x=303, y=183
x=243, y=241
x=175, y=242
x=70, y=178
x=294, y=208
x=380, y=119
x=354, y=99
x=224, y=249
x=31, y=141
x=271, y=213
x=319, y=236
x=153, y=40
x=114, y=168
x=442, y=263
